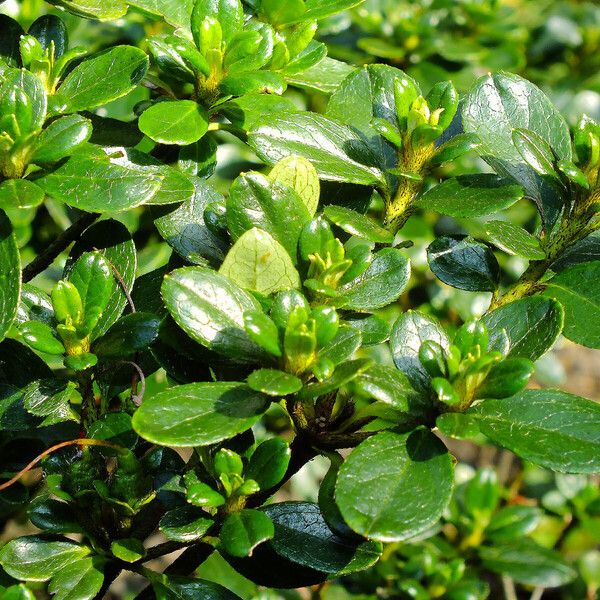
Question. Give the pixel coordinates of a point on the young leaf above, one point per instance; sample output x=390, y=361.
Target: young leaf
x=10, y=275
x=274, y=383
x=336, y=152
x=242, y=531
x=408, y=334
x=577, y=289
x=33, y=558
x=268, y=463
x=102, y=78
x=551, y=428
x=228, y=13
x=464, y=264
x=96, y=9
x=380, y=284
x=471, y=195
x=179, y=122
x=199, y=414
x=300, y=175
x=260, y=263
x=356, y=224
x=378, y=482
x=61, y=138
x=513, y=239
x=532, y=325
x=210, y=309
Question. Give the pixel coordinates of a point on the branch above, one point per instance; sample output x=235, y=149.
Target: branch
x=60, y=244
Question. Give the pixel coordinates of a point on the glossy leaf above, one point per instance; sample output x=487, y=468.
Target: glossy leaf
x=274, y=383
x=333, y=148
x=532, y=325
x=187, y=588
x=210, y=309
x=185, y=523
x=356, y=224
x=577, y=289
x=242, y=531
x=513, y=239
x=551, y=428
x=130, y=334
x=471, y=195
x=268, y=463
x=49, y=29
x=199, y=414
x=179, y=122
x=61, y=138
x=300, y=175
x=380, y=284
x=378, y=482
x=102, y=78
x=20, y=193
x=10, y=275
x=258, y=262
x=464, y=264
x=81, y=579
x=96, y=9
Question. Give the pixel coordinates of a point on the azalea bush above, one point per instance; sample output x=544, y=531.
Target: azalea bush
x=225, y=255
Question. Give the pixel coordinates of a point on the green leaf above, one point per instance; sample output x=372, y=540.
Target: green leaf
x=274, y=383
x=50, y=398
x=336, y=152
x=49, y=29
x=10, y=275
x=185, y=524
x=320, y=9
x=242, y=531
x=130, y=334
x=257, y=201
x=513, y=239
x=128, y=550
x=408, y=334
x=586, y=250
x=259, y=262
x=53, y=516
x=9, y=40
x=228, y=13
x=17, y=592
x=32, y=89
x=300, y=175
x=532, y=325
x=464, y=263
x=184, y=229
x=378, y=482
x=268, y=463
x=512, y=523
x=454, y=148
x=112, y=239
x=577, y=289
x=471, y=195
x=325, y=76
x=91, y=275
x=535, y=151
x=252, y=82
x=386, y=384
x=263, y=331
x=201, y=494
x=343, y=374
x=380, y=284
x=303, y=537
x=80, y=579
x=210, y=309
x=551, y=428
x=246, y=111
x=356, y=224
x=186, y=588
x=496, y=106
x=199, y=414
x=373, y=329
x=20, y=193
x=98, y=185
x=96, y=9
x=114, y=427
x=506, y=378
x=526, y=562
x=61, y=138
x=33, y=558
x=102, y=78
x=174, y=12
x=179, y=122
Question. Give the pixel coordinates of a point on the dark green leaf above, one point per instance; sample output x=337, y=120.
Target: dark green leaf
x=33, y=558
x=80, y=579
x=50, y=28
x=210, y=309
x=471, y=195
x=335, y=150
x=551, y=428
x=386, y=384
x=380, y=284
x=532, y=325
x=185, y=524
x=323, y=77
x=585, y=250
x=52, y=515
x=303, y=537
x=408, y=333
x=199, y=414
x=180, y=122
x=98, y=185
x=102, y=78
x=114, y=427
x=242, y=531
x=246, y=111
x=50, y=398
x=578, y=290
x=513, y=239
x=9, y=40
x=535, y=151
x=343, y=374
x=378, y=482
x=268, y=463
x=61, y=138
x=464, y=263
x=274, y=383
x=130, y=334
x=10, y=275
x=187, y=588
x=374, y=330
x=526, y=562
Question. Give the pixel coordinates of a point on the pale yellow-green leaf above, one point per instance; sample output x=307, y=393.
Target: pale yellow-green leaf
x=259, y=262
x=300, y=174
